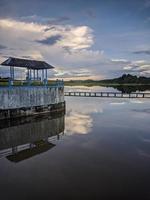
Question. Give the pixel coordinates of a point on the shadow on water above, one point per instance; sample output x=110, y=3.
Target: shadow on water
x=131, y=88
x=26, y=137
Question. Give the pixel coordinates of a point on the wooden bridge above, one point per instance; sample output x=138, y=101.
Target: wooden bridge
x=109, y=94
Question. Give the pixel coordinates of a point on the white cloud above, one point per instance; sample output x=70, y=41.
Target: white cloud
x=73, y=37
x=141, y=67
x=66, y=47
x=71, y=50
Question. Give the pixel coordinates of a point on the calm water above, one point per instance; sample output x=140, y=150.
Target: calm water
x=99, y=150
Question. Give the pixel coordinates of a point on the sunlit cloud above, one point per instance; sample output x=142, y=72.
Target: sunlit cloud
x=44, y=41
x=139, y=67
x=74, y=37
x=65, y=46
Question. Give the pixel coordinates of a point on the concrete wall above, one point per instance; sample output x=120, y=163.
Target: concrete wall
x=25, y=97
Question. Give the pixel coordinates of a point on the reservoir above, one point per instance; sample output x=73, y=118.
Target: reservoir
x=98, y=149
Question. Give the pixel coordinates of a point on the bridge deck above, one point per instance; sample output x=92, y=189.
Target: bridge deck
x=108, y=94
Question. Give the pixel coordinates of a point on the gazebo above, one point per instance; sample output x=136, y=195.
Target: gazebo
x=33, y=68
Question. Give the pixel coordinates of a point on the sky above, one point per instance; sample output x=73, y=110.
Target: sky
x=82, y=39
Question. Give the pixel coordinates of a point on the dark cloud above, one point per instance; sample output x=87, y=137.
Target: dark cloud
x=49, y=28
x=50, y=40
x=147, y=52
x=2, y=47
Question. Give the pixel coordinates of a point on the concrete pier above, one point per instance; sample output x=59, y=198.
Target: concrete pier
x=28, y=100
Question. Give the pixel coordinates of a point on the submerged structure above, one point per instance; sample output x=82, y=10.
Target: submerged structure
x=33, y=95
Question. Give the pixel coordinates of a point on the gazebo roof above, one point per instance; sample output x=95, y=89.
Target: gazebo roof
x=25, y=63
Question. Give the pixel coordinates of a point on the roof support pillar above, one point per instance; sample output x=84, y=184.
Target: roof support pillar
x=11, y=81
x=30, y=75
x=45, y=76
x=37, y=73
x=27, y=74
x=34, y=75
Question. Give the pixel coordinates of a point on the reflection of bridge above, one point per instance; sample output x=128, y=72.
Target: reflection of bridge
x=20, y=140
x=108, y=94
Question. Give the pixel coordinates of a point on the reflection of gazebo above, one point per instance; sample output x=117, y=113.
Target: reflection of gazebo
x=30, y=152
x=33, y=67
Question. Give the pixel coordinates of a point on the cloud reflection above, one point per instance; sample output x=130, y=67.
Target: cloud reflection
x=78, y=123
x=79, y=116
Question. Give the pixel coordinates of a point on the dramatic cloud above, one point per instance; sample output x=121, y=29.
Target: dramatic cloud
x=73, y=37
x=69, y=43
x=70, y=48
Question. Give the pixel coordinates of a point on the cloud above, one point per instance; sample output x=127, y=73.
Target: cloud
x=120, y=61
x=67, y=47
x=50, y=40
x=147, y=52
x=140, y=67
x=72, y=37
x=8, y=24
x=68, y=43
x=2, y=47
x=73, y=73
x=45, y=20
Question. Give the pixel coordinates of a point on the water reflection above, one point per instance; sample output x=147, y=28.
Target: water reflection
x=110, y=88
x=106, y=155
x=78, y=123
x=78, y=118
x=23, y=138
x=131, y=88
